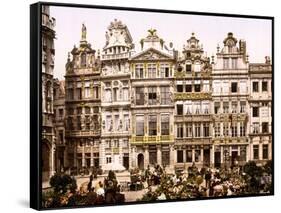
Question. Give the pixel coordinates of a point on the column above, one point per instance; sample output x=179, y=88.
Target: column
x=171, y=156
x=92, y=156
x=133, y=158
x=159, y=155
x=193, y=155
x=202, y=156
x=146, y=157
x=260, y=150
x=83, y=155
x=222, y=155
x=52, y=172
x=102, y=153
x=212, y=155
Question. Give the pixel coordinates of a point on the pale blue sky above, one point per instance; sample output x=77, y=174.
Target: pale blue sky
x=176, y=28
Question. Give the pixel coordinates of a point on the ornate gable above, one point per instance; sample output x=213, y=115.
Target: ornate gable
x=152, y=54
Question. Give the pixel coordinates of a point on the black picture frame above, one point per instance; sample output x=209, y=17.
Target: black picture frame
x=36, y=98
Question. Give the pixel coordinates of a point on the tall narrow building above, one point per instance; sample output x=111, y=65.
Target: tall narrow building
x=48, y=57
x=82, y=105
x=260, y=113
x=193, y=120
x=59, y=116
x=115, y=105
x=152, y=109
x=230, y=103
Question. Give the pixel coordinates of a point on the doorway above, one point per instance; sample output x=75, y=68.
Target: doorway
x=141, y=161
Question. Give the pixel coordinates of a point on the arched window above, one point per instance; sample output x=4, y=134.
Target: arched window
x=83, y=60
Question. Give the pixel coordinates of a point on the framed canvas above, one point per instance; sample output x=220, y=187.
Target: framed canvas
x=128, y=106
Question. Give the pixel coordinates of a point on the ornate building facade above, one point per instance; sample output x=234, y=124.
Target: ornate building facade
x=230, y=103
x=48, y=57
x=115, y=105
x=152, y=109
x=193, y=121
x=82, y=105
x=260, y=114
x=155, y=107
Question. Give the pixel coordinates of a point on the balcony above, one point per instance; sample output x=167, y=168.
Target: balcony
x=193, y=96
x=116, y=56
x=79, y=133
x=152, y=139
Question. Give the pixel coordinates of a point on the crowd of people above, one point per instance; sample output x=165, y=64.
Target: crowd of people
x=157, y=184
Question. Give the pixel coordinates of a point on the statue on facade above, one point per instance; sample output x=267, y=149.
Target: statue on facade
x=84, y=32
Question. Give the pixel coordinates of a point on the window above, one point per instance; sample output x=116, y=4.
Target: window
x=125, y=94
x=78, y=118
x=225, y=129
x=87, y=92
x=87, y=122
x=152, y=96
x=108, y=123
x=70, y=111
x=151, y=70
x=70, y=123
x=165, y=95
x=115, y=94
x=79, y=93
x=139, y=70
x=264, y=127
x=217, y=107
x=188, y=108
x=242, y=129
x=139, y=125
x=87, y=110
x=164, y=70
x=116, y=122
x=264, y=86
x=233, y=87
x=255, y=86
x=197, y=88
x=242, y=106
x=70, y=94
x=189, y=156
x=179, y=109
x=139, y=96
x=197, y=67
x=197, y=130
x=256, y=152
x=165, y=123
x=234, y=107
x=225, y=107
x=61, y=138
x=188, y=88
x=108, y=159
x=83, y=60
x=126, y=122
x=180, y=156
x=217, y=130
x=188, y=130
x=179, y=88
x=234, y=130
x=264, y=151
x=234, y=63
x=225, y=63
x=79, y=111
x=179, y=131
x=188, y=67
x=206, y=108
x=152, y=125
x=197, y=155
x=60, y=114
x=206, y=130
x=256, y=127
x=255, y=111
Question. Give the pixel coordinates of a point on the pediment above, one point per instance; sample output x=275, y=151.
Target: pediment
x=152, y=54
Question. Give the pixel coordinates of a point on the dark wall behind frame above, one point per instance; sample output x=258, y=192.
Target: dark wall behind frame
x=36, y=97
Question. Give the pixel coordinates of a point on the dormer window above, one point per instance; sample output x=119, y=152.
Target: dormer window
x=83, y=60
